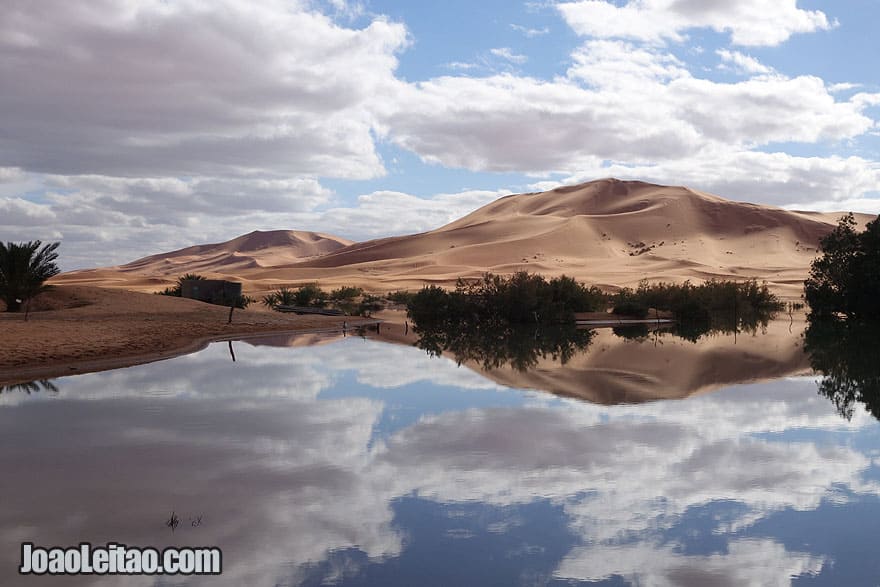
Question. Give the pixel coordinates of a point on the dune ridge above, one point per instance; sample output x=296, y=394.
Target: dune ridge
x=608, y=232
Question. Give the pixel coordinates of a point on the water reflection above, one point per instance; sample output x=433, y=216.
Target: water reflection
x=363, y=463
x=495, y=346
x=624, y=364
x=847, y=355
x=30, y=386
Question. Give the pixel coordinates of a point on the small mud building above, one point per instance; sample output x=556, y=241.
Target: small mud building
x=214, y=291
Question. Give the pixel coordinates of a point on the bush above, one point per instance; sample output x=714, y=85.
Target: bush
x=493, y=299
x=689, y=302
x=430, y=306
x=369, y=305
x=400, y=297
x=345, y=293
x=280, y=297
x=310, y=295
x=307, y=295
x=630, y=308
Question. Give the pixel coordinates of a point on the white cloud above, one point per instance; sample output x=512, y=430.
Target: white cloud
x=189, y=88
x=530, y=32
x=641, y=105
x=743, y=63
x=805, y=183
x=17, y=211
x=749, y=22
x=170, y=200
x=746, y=562
x=387, y=212
x=168, y=213
x=10, y=174
x=461, y=65
x=508, y=54
x=843, y=87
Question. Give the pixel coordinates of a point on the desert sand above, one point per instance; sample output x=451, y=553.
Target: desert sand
x=609, y=233
x=82, y=329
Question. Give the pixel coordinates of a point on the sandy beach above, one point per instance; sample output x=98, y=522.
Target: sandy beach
x=81, y=329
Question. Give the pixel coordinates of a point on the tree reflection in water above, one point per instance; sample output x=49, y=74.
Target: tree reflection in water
x=848, y=355
x=496, y=345
x=725, y=323
x=30, y=386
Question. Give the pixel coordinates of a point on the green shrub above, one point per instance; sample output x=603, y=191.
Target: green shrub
x=368, y=305
x=345, y=293
x=310, y=295
x=282, y=296
x=307, y=295
x=400, y=297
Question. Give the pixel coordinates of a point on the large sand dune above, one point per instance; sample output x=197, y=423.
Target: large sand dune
x=607, y=232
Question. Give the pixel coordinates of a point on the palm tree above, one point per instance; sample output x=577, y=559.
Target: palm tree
x=24, y=268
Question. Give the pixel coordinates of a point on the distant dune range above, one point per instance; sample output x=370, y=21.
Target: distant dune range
x=608, y=232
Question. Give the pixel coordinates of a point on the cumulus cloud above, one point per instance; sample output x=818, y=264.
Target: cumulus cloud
x=618, y=102
x=187, y=88
x=743, y=63
x=749, y=22
x=172, y=200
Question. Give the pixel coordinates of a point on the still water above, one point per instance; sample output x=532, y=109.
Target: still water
x=329, y=460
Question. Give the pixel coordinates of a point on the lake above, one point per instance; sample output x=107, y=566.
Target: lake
x=647, y=459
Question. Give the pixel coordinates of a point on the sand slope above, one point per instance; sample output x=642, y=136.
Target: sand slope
x=230, y=259
x=607, y=232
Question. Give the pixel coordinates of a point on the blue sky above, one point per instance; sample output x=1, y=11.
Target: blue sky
x=140, y=126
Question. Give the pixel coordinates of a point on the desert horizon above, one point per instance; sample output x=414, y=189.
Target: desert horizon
x=609, y=232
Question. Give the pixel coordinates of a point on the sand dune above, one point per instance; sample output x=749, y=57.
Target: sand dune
x=608, y=232
x=253, y=251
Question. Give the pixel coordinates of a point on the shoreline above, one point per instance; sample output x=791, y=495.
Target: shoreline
x=89, y=329
x=20, y=375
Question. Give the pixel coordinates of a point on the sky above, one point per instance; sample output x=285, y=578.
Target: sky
x=131, y=127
